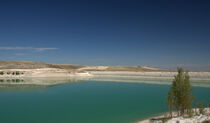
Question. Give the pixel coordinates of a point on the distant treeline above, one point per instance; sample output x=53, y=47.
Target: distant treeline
x=11, y=73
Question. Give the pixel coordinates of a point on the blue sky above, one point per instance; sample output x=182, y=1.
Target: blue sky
x=163, y=34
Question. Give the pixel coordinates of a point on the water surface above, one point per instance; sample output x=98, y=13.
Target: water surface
x=86, y=102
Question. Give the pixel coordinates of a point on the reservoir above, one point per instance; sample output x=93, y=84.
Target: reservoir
x=87, y=101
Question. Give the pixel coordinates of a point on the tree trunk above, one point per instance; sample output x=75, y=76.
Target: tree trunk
x=171, y=112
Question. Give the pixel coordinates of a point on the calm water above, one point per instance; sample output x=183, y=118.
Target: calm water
x=87, y=102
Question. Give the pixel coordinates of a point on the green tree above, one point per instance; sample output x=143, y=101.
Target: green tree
x=1, y=73
x=170, y=101
x=180, y=94
x=17, y=73
x=187, y=98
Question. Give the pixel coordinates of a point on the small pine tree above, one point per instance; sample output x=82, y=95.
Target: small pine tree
x=180, y=95
x=187, y=94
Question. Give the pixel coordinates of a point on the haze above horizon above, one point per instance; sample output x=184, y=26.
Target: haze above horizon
x=163, y=34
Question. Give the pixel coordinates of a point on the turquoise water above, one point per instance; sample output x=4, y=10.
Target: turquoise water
x=87, y=102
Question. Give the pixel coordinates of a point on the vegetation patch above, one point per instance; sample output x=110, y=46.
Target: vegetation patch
x=1, y=73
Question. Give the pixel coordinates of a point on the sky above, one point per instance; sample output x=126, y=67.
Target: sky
x=156, y=33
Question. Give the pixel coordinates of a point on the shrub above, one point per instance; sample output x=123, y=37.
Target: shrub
x=17, y=73
x=1, y=73
x=201, y=108
x=190, y=112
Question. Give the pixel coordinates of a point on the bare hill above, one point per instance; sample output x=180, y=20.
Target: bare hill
x=37, y=65
x=34, y=65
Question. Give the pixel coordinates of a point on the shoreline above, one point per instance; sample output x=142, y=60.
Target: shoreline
x=201, y=79
x=196, y=118
x=57, y=72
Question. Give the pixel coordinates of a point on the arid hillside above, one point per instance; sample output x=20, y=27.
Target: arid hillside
x=34, y=65
x=38, y=65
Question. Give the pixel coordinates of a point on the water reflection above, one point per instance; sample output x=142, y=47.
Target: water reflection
x=21, y=87
x=41, y=83
x=11, y=80
x=33, y=83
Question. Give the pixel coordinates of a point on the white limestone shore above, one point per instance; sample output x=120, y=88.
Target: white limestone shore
x=195, y=119
x=55, y=72
x=156, y=75
x=201, y=79
x=42, y=72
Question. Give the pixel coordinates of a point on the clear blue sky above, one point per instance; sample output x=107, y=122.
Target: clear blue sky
x=155, y=33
